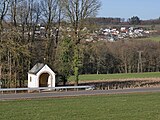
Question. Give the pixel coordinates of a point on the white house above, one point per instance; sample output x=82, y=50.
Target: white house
x=41, y=76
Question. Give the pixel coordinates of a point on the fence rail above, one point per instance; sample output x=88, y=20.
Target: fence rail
x=41, y=89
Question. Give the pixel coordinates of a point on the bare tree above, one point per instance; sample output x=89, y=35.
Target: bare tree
x=76, y=12
x=49, y=10
x=4, y=5
x=14, y=12
x=36, y=18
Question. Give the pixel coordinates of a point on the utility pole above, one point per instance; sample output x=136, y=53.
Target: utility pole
x=140, y=61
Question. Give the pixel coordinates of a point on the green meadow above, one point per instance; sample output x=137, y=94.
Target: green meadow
x=95, y=77
x=143, y=106
x=152, y=38
x=156, y=38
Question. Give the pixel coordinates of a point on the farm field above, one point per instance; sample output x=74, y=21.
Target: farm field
x=95, y=77
x=144, y=106
x=157, y=38
x=153, y=38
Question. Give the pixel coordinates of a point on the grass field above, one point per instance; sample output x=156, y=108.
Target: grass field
x=153, y=38
x=157, y=38
x=107, y=107
x=92, y=77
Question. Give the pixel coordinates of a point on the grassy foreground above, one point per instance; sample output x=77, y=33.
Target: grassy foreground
x=91, y=77
x=106, y=107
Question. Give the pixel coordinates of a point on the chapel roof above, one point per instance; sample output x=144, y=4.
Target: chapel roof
x=36, y=68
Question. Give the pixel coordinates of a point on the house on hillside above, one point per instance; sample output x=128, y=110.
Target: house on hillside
x=41, y=75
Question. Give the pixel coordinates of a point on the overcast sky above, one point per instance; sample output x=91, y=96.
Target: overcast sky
x=144, y=9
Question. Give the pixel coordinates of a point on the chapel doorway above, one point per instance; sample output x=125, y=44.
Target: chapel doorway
x=43, y=80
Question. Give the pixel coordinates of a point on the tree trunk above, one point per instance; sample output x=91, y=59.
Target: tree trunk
x=125, y=66
x=76, y=68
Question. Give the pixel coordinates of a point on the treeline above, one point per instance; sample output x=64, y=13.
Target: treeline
x=135, y=20
x=105, y=21
x=130, y=56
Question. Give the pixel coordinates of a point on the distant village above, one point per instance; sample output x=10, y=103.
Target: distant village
x=102, y=34
x=114, y=34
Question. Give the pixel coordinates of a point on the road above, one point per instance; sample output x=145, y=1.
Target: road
x=75, y=93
